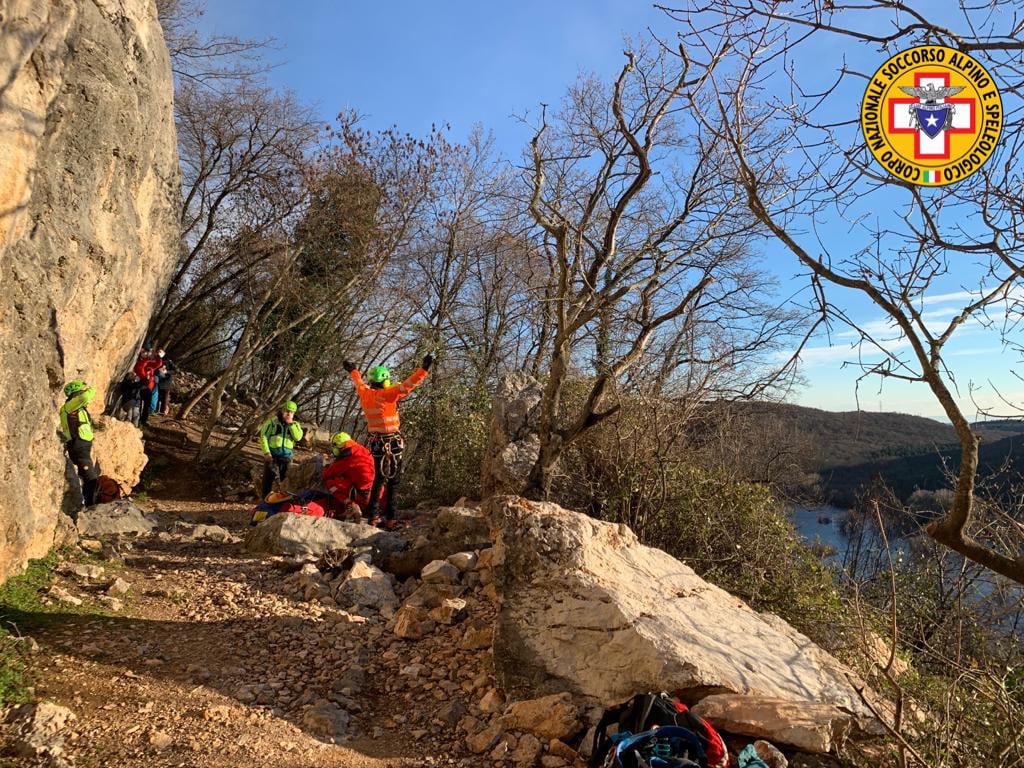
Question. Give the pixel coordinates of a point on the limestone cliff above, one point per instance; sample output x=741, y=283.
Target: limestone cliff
x=89, y=190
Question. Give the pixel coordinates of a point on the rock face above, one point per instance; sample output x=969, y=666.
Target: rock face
x=89, y=193
x=512, y=446
x=586, y=607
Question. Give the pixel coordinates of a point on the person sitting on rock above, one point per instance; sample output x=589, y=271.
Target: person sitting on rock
x=380, y=406
x=349, y=478
x=278, y=437
x=76, y=429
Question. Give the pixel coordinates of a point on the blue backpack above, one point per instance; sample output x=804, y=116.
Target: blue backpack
x=655, y=730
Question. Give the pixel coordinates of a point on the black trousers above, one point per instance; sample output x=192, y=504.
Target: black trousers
x=164, y=403
x=144, y=398
x=387, y=472
x=80, y=453
x=276, y=468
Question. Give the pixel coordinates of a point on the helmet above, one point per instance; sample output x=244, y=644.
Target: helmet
x=73, y=387
x=380, y=375
x=290, y=406
x=338, y=442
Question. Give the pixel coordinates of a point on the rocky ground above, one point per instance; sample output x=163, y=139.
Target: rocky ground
x=180, y=648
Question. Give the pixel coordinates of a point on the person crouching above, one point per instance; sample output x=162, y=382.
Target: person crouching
x=349, y=478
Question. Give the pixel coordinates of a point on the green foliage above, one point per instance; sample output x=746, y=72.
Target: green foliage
x=736, y=535
x=446, y=427
x=20, y=595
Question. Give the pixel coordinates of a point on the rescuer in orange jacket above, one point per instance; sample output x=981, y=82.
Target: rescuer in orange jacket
x=380, y=399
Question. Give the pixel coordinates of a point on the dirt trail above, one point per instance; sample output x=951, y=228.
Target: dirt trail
x=214, y=660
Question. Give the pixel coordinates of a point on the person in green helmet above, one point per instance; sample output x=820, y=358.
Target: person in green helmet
x=76, y=429
x=278, y=437
x=380, y=406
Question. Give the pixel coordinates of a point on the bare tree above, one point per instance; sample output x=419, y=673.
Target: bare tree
x=646, y=239
x=242, y=154
x=211, y=61
x=803, y=169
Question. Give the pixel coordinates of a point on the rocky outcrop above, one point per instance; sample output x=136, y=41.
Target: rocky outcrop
x=452, y=531
x=290, y=534
x=118, y=451
x=117, y=518
x=89, y=193
x=587, y=608
x=512, y=445
x=808, y=726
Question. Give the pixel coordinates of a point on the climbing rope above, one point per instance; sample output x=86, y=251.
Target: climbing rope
x=391, y=451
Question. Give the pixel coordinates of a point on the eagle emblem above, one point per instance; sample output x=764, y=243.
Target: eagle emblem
x=928, y=115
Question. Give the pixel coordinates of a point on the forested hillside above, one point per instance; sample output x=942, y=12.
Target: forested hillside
x=847, y=451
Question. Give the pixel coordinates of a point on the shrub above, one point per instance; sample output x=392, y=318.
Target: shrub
x=446, y=429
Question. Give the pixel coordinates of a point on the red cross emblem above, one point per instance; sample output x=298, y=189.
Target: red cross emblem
x=902, y=119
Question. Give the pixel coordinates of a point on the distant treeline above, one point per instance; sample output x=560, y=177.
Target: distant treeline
x=848, y=450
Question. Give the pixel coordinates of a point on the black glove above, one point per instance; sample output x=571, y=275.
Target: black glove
x=427, y=362
x=348, y=366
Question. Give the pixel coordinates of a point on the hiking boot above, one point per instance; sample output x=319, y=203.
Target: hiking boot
x=377, y=521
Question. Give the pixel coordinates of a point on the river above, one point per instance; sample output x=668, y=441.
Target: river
x=821, y=525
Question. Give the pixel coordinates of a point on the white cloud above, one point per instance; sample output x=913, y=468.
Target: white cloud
x=834, y=353
x=960, y=297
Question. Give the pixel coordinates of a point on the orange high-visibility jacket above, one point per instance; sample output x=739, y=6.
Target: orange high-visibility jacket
x=380, y=406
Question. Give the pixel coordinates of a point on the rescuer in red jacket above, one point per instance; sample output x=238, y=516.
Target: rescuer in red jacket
x=145, y=368
x=349, y=478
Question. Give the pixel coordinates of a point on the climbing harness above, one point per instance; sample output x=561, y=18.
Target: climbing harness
x=389, y=448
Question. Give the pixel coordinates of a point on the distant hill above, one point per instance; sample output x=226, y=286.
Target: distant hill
x=930, y=471
x=848, y=449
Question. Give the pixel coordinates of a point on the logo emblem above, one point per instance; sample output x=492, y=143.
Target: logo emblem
x=931, y=115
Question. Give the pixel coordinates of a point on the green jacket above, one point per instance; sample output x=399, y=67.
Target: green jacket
x=278, y=438
x=74, y=418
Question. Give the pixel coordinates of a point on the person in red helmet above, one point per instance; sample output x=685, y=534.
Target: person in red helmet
x=349, y=478
x=380, y=400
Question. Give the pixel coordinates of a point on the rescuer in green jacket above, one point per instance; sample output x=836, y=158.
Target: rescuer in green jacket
x=76, y=428
x=278, y=437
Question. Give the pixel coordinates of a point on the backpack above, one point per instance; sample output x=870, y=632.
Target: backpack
x=108, y=490
x=655, y=729
x=294, y=505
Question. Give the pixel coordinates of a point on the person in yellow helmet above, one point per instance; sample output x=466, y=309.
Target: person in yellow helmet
x=76, y=429
x=349, y=478
x=278, y=437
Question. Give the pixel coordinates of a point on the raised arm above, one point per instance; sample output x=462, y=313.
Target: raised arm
x=81, y=400
x=357, y=379
x=416, y=378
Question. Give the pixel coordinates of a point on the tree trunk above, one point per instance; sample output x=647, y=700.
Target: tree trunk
x=538, y=483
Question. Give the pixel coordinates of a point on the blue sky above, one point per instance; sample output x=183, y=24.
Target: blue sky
x=413, y=64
